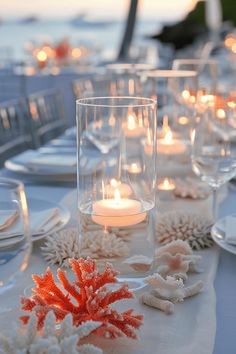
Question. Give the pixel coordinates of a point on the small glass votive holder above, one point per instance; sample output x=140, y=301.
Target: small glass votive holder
x=166, y=188
x=116, y=200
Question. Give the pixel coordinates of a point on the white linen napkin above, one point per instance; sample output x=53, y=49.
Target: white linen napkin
x=51, y=161
x=44, y=221
x=41, y=222
x=230, y=230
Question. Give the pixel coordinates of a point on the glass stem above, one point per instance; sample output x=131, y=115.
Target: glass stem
x=214, y=204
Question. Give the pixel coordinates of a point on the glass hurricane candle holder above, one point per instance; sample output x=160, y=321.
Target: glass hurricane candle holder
x=116, y=200
x=176, y=99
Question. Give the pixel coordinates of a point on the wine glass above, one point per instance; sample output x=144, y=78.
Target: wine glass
x=213, y=156
x=207, y=72
x=15, y=243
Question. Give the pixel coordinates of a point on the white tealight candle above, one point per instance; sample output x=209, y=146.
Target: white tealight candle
x=170, y=146
x=117, y=211
x=166, y=184
x=134, y=168
x=165, y=187
x=133, y=128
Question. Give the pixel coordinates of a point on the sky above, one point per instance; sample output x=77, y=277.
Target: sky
x=164, y=9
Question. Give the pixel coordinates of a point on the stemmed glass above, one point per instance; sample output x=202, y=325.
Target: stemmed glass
x=207, y=72
x=213, y=156
x=15, y=244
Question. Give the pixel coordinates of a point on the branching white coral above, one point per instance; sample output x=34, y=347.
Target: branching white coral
x=171, y=265
x=168, y=289
x=50, y=341
x=65, y=244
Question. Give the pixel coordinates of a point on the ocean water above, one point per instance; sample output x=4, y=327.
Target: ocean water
x=15, y=35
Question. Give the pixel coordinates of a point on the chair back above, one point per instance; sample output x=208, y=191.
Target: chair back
x=47, y=116
x=111, y=85
x=15, y=135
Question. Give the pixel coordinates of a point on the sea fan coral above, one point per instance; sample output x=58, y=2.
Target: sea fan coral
x=85, y=299
x=50, y=340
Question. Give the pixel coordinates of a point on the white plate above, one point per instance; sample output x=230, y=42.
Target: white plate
x=218, y=235
x=20, y=164
x=36, y=205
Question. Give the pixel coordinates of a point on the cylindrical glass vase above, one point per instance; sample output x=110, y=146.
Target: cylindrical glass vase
x=176, y=92
x=116, y=200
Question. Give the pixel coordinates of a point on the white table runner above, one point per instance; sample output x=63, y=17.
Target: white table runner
x=191, y=328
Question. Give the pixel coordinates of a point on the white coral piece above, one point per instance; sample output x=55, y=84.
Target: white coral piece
x=190, y=188
x=168, y=264
x=50, y=341
x=181, y=247
x=65, y=244
x=175, y=247
x=139, y=262
x=186, y=226
x=168, y=289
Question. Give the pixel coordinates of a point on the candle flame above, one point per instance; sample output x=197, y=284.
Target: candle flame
x=131, y=121
x=112, y=120
x=134, y=167
x=42, y=55
x=231, y=104
x=165, y=124
x=183, y=120
x=220, y=113
x=168, y=137
x=166, y=182
x=149, y=139
x=117, y=196
x=140, y=120
x=186, y=94
x=114, y=183
x=192, y=135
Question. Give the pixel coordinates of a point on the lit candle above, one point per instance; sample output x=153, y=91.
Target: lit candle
x=117, y=211
x=168, y=145
x=133, y=127
x=183, y=120
x=166, y=184
x=134, y=168
x=220, y=114
x=165, y=187
x=189, y=96
x=124, y=189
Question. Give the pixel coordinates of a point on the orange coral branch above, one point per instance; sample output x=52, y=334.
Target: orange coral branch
x=86, y=299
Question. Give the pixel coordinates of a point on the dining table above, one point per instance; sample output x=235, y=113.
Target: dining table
x=213, y=332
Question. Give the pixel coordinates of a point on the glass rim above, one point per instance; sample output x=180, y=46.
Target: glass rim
x=172, y=73
x=82, y=101
x=126, y=66
x=11, y=183
x=193, y=61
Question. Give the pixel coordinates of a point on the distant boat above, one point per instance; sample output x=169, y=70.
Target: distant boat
x=28, y=20
x=80, y=21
